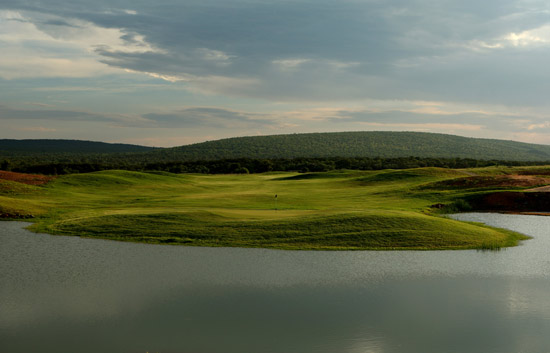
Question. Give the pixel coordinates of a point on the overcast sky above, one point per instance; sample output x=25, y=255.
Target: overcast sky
x=173, y=72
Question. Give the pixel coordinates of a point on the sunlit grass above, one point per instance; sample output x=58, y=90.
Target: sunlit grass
x=339, y=210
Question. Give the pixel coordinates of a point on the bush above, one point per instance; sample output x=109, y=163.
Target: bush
x=242, y=170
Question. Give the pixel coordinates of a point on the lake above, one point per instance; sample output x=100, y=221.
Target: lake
x=71, y=295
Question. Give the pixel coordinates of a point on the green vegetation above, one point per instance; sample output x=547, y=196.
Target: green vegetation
x=390, y=209
x=374, y=150
x=245, y=165
x=372, y=144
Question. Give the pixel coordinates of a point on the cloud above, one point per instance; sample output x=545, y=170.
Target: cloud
x=43, y=45
x=414, y=117
x=7, y=113
x=36, y=129
x=526, y=39
x=191, y=117
x=536, y=36
x=539, y=126
x=25, y=64
x=209, y=117
x=196, y=123
x=304, y=64
x=424, y=127
x=289, y=64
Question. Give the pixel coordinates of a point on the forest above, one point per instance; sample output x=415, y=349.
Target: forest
x=249, y=165
x=312, y=152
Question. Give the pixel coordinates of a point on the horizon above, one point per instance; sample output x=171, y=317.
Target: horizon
x=168, y=74
x=232, y=137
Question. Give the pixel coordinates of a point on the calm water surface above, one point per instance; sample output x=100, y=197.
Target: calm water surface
x=66, y=294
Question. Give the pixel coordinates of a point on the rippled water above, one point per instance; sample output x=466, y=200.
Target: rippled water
x=66, y=294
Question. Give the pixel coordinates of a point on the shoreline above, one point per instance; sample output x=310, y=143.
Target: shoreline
x=528, y=213
x=370, y=210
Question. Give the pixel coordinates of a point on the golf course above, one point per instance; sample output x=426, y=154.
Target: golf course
x=341, y=210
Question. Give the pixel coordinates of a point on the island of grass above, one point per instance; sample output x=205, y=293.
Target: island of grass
x=344, y=210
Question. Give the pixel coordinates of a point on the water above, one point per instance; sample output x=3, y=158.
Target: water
x=66, y=294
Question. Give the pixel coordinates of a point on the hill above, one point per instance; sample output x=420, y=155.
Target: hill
x=344, y=210
x=26, y=147
x=357, y=144
x=373, y=150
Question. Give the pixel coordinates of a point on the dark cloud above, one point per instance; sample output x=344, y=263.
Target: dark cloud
x=7, y=113
x=58, y=22
x=329, y=50
x=193, y=117
x=208, y=117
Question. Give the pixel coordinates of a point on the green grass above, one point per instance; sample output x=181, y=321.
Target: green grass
x=338, y=210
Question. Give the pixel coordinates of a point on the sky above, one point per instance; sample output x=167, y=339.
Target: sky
x=174, y=72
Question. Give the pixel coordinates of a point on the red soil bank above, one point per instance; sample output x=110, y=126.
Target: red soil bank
x=30, y=179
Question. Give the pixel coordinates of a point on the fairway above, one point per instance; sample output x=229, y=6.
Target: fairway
x=344, y=210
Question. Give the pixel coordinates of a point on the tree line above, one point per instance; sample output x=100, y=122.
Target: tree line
x=251, y=165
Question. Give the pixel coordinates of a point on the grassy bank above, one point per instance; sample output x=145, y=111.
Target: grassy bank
x=338, y=210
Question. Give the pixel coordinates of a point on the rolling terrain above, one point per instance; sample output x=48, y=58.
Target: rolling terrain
x=339, y=210
x=358, y=144
x=345, y=210
x=370, y=144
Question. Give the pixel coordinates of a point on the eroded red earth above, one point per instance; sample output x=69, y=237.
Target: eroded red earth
x=29, y=179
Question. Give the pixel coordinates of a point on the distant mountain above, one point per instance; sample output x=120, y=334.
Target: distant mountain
x=357, y=144
x=23, y=147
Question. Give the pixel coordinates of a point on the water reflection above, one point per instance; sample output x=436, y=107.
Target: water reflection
x=65, y=294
